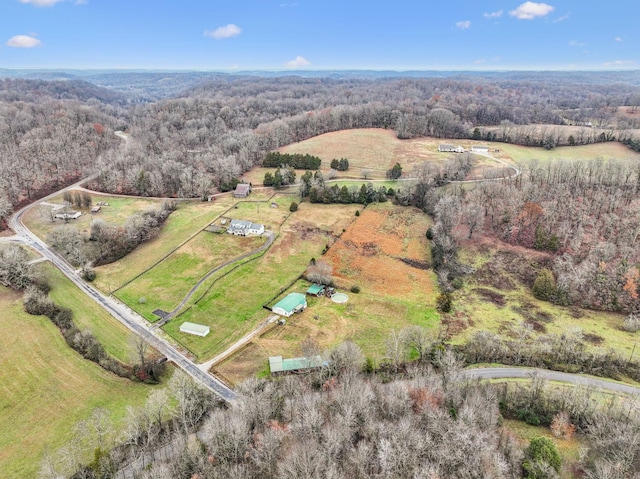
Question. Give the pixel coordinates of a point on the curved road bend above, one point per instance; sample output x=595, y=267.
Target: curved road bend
x=130, y=319
x=527, y=373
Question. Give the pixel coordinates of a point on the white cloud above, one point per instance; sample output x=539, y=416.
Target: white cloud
x=463, y=25
x=480, y=61
x=618, y=39
x=561, y=19
x=575, y=43
x=227, y=31
x=497, y=14
x=298, y=62
x=23, y=41
x=620, y=63
x=41, y=3
x=531, y=10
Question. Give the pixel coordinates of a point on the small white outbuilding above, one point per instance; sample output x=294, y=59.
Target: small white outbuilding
x=193, y=328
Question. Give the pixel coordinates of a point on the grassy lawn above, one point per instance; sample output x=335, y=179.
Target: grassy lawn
x=569, y=448
x=39, y=221
x=233, y=306
x=166, y=284
x=604, y=151
x=113, y=335
x=46, y=388
x=393, y=294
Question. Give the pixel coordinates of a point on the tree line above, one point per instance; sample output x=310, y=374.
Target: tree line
x=419, y=418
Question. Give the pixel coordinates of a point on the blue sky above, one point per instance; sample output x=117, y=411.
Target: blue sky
x=320, y=34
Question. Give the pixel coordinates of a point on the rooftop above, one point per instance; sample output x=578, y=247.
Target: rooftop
x=315, y=289
x=291, y=301
x=277, y=364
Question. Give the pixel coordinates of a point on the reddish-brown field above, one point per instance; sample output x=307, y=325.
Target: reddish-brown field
x=372, y=250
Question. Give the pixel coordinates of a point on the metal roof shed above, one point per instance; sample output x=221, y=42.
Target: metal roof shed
x=315, y=289
x=193, y=328
x=278, y=365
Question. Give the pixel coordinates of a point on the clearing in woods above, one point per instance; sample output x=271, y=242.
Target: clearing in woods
x=384, y=253
x=46, y=388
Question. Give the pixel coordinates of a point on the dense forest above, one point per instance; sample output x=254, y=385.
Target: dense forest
x=188, y=145
x=421, y=419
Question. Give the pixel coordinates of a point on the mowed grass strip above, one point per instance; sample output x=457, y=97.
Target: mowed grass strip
x=166, y=284
x=46, y=388
x=233, y=306
x=112, y=335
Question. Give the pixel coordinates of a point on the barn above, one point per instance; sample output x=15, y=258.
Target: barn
x=195, y=329
x=292, y=303
x=279, y=365
x=242, y=190
x=480, y=149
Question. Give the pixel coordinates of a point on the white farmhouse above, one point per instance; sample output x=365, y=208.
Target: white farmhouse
x=244, y=228
x=449, y=148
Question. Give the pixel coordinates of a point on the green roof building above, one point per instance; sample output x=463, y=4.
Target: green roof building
x=292, y=303
x=316, y=290
x=279, y=365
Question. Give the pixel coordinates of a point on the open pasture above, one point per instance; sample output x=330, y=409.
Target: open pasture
x=498, y=298
x=46, y=388
x=167, y=283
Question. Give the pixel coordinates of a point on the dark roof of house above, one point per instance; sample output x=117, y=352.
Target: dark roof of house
x=242, y=189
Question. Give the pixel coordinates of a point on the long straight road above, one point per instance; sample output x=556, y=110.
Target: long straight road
x=129, y=318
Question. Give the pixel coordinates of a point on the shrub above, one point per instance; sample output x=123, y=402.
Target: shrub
x=457, y=283
x=357, y=212
x=632, y=323
x=544, y=286
x=430, y=233
x=88, y=273
x=293, y=207
x=355, y=289
x=444, y=302
x=540, y=453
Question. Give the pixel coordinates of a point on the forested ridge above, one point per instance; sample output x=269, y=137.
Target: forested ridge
x=189, y=145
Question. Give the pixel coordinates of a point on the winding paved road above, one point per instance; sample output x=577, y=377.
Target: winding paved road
x=129, y=318
x=528, y=373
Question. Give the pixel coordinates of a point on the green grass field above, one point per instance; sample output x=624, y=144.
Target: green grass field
x=186, y=221
x=113, y=335
x=475, y=310
x=569, y=448
x=46, y=388
x=603, y=151
x=165, y=285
